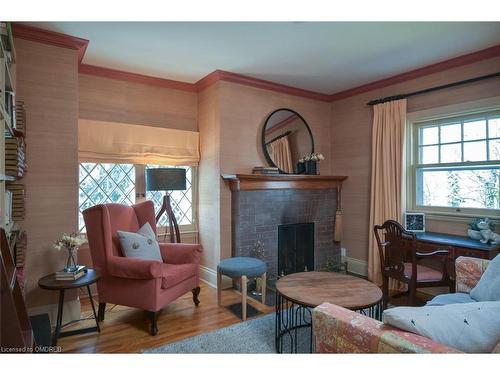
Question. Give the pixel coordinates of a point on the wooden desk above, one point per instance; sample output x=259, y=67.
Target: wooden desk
x=459, y=245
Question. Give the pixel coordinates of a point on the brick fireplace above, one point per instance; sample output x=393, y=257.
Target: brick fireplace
x=260, y=204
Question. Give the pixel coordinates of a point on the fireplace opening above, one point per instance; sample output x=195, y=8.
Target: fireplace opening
x=295, y=248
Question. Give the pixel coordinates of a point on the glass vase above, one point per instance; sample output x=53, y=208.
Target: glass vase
x=70, y=263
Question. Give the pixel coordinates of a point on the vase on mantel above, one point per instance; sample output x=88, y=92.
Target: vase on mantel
x=311, y=167
x=301, y=167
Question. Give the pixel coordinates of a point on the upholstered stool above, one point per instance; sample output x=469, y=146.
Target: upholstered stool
x=241, y=268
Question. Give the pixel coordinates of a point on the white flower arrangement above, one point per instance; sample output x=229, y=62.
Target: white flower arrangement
x=69, y=241
x=315, y=156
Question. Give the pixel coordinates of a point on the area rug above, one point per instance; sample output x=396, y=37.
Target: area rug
x=250, y=337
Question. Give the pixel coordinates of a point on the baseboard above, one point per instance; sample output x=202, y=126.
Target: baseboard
x=71, y=311
x=357, y=266
x=209, y=276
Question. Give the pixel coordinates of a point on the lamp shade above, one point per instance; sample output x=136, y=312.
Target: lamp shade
x=162, y=179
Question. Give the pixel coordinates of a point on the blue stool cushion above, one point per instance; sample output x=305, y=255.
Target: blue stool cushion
x=239, y=266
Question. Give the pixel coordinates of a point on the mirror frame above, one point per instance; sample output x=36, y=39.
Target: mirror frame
x=263, y=136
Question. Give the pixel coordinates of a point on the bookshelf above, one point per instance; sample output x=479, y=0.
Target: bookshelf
x=12, y=144
x=16, y=333
x=7, y=85
x=15, y=327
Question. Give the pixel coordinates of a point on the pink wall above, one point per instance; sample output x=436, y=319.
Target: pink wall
x=231, y=117
x=351, y=142
x=47, y=81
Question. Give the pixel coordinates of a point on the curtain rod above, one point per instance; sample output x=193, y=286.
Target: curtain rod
x=279, y=136
x=436, y=88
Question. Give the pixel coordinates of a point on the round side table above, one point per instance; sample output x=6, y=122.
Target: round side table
x=298, y=293
x=49, y=282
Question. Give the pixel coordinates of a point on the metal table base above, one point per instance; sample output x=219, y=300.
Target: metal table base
x=292, y=317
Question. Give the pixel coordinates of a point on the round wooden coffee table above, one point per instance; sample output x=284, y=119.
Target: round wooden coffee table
x=298, y=293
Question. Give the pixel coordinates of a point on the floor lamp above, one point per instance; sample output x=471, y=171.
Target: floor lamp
x=166, y=179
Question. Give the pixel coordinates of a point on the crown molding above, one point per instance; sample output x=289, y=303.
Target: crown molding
x=222, y=75
x=420, y=72
x=66, y=41
x=136, y=78
x=50, y=37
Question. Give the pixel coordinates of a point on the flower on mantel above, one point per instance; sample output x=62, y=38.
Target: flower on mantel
x=315, y=156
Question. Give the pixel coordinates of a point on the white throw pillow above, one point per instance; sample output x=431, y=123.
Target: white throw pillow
x=142, y=245
x=488, y=287
x=469, y=327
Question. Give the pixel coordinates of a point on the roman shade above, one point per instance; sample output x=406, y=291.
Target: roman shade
x=112, y=142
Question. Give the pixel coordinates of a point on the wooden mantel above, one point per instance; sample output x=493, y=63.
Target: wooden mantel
x=239, y=182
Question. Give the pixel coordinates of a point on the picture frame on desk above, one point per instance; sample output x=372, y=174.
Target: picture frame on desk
x=414, y=221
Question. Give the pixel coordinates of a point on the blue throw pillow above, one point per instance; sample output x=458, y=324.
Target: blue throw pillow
x=448, y=299
x=469, y=327
x=142, y=245
x=488, y=287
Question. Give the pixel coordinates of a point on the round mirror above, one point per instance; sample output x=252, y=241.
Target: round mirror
x=286, y=138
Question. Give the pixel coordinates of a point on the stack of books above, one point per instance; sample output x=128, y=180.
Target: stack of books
x=265, y=170
x=73, y=275
x=20, y=250
x=17, y=203
x=20, y=116
x=15, y=157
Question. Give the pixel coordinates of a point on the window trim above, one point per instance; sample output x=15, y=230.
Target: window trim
x=415, y=120
x=140, y=196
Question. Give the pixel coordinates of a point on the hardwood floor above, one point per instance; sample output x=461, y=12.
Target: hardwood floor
x=126, y=330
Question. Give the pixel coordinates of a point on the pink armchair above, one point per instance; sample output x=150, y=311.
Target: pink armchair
x=145, y=284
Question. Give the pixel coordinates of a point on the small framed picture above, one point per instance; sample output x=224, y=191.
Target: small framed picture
x=415, y=222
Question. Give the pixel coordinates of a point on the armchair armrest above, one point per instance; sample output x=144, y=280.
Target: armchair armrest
x=469, y=271
x=134, y=268
x=180, y=253
x=339, y=330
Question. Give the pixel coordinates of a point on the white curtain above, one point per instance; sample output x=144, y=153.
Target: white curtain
x=111, y=142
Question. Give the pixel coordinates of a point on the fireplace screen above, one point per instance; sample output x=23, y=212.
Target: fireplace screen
x=295, y=248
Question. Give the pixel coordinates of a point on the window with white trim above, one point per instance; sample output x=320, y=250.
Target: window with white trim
x=124, y=183
x=455, y=165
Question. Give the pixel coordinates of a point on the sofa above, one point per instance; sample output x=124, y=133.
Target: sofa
x=339, y=330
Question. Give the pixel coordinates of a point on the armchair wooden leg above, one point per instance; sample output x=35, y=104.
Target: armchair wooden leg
x=196, y=293
x=153, y=316
x=100, y=311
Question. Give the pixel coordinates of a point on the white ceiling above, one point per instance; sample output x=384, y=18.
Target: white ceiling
x=327, y=57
